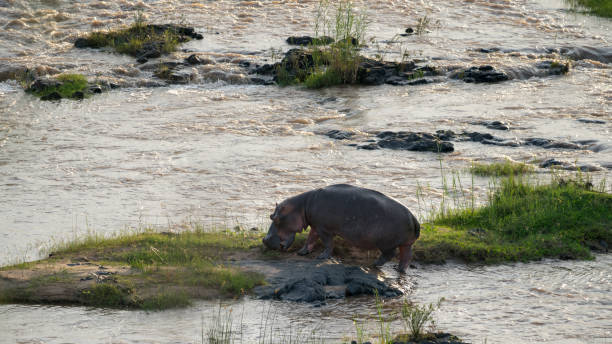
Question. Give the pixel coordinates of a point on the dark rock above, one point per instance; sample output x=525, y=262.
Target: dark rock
x=193, y=59
x=150, y=49
x=42, y=84
x=495, y=125
x=479, y=137
x=409, y=30
x=261, y=81
x=142, y=60
x=422, y=142
x=373, y=72
x=365, y=285
x=406, y=66
x=316, y=283
x=488, y=50
x=339, y=134
x=591, y=121
x=554, y=67
x=95, y=89
x=371, y=146
x=78, y=95
x=547, y=143
x=83, y=43
x=267, y=69
x=52, y=96
x=308, y=40
x=482, y=74
x=445, y=135
x=297, y=63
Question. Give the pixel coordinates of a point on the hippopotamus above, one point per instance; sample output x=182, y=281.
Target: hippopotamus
x=364, y=218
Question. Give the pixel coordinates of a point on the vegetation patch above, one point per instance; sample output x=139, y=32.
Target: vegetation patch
x=523, y=221
x=141, y=40
x=332, y=57
x=506, y=168
x=73, y=86
x=602, y=8
x=145, y=271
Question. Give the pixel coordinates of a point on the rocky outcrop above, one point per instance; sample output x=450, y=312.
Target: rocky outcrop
x=420, y=142
x=495, y=125
x=564, y=165
x=482, y=74
x=308, y=40
x=312, y=282
x=153, y=44
x=374, y=72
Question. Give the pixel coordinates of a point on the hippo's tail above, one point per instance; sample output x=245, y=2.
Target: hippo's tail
x=417, y=230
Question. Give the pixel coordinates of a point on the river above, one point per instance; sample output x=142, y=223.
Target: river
x=221, y=152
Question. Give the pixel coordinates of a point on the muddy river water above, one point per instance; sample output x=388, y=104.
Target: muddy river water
x=220, y=151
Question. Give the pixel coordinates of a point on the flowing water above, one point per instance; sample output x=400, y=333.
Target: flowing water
x=220, y=151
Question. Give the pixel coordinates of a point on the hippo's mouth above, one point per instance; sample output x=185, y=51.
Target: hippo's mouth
x=284, y=245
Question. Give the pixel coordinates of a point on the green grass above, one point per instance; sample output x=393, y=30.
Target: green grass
x=339, y=62
x=131, y=40
x=323, y=78
x=69, y=85
x=167, y=270
x=506, y=168
x=602, y=8
x=522, y=221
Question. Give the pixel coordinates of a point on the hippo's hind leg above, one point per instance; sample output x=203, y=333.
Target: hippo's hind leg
x=405, y=256
x=328, y=243
x=385, y=256
x=310, y=242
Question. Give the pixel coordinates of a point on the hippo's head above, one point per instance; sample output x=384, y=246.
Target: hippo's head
x=287, y=220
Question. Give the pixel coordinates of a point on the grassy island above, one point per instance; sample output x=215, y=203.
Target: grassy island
x=522, y=221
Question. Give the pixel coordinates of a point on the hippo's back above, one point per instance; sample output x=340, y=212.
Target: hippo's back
x=365, y=217
x=367, y=207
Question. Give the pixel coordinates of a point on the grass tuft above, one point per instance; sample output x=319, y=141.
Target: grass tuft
x=506, y=168
x=602, y=8
x=136, y=39
x=67, y=87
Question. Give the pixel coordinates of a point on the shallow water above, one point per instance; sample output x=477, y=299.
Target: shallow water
x=545, y=302
x=221, y=153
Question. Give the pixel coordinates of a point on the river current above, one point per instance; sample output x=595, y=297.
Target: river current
x=221, y=152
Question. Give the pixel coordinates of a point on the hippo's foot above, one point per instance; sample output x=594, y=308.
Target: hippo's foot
x=303, y=251
x=324, y=255
x=385, y=257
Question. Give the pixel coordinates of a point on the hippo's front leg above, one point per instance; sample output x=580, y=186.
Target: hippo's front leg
x=328, y=244
x=310, y=243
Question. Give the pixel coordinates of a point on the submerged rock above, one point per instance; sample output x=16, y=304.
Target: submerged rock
x=153, y=44
x=482, y=74
x=308, y=40
x=495, y=125
x=428, y=338
x=591, y=121
x=373, y=72
x=548, y=143
x=564, y=165
x=421, y=142
x=339, y=134
x=554, y=67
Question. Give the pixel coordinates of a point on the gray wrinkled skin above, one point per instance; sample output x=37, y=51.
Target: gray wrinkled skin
x=363, y=217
